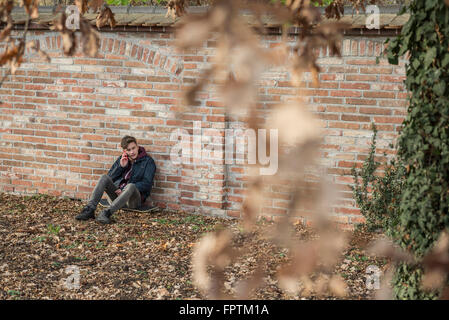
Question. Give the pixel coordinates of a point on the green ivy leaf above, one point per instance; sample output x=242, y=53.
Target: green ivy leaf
x=392, y=58
x=430, y=4
x=445, y=60
x=430, y=56
x=416, y=64
x=439, y=88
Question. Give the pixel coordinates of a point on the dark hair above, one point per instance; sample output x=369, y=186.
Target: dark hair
x=126, y=140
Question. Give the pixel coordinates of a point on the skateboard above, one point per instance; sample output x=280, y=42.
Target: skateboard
x=145, y=208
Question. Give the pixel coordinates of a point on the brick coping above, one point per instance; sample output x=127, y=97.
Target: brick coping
x=152, y=19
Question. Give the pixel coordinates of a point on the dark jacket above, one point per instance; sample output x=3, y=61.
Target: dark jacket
x=142, y=173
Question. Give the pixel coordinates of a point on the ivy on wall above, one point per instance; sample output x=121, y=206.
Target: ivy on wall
x=423, y=144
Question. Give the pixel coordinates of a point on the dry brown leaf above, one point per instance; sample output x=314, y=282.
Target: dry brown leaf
x=104, y=17
x=213, y=249
x=304, y=261
x=35, y=46
x=295, y=124
x=68, y=42
x=4, y=35
x=438, y=257
x=82, y=6
x=436, y=264
x=31, y=8
x=90, y=38
x=385, y=291
x=244, y=288
x=433, y=280
x=192, y=34
x=252, y=203
x=338, y=286
x=68, y=36
x=308, y=286
x=386, y=248
x=330, y=246
x=176, y=8
x=95, y=5
x=13, y=56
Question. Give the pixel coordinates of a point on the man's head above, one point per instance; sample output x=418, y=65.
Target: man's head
x=129, y=144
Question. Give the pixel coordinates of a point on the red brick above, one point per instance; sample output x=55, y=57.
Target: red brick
x=387, y=70
x=378, y=94
x=346, y=93
x=217, y=205
x=350, y=117
x=389, y=119
x=366, y=110
x=360, y=86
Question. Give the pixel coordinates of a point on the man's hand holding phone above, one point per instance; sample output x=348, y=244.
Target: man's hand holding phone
x=124, y=160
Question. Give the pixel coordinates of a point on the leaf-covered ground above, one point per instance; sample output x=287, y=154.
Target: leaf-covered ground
x=140, y=256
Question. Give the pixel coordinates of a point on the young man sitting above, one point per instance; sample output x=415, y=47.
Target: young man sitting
x=128, y=182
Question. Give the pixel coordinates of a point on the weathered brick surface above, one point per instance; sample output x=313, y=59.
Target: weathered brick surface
x=61, y=122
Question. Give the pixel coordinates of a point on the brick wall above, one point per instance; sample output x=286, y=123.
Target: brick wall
x=62, y=122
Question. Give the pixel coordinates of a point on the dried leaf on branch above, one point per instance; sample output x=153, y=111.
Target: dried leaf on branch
x=436, y=265
x=13, y=56
x=6, y=32
x=95, y=5
x=67, y=35
x=236, y=67
x=35, y=46
x=82, y=6
x=105, y=17
x=31, y=8
x=176, y=8
x=90, y=38
x=5, y=15
x=214, y=250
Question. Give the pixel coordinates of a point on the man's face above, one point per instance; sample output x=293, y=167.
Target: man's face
x=132, y=150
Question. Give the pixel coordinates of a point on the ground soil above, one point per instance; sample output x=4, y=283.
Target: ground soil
x=140, y=255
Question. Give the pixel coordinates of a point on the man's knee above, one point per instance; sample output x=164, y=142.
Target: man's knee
x=105, y=177
x=130, y=186
x=105, y=180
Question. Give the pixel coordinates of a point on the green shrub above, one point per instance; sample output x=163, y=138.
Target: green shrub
x=378, y=195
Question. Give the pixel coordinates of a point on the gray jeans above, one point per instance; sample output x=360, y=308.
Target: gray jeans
x=129, y=198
